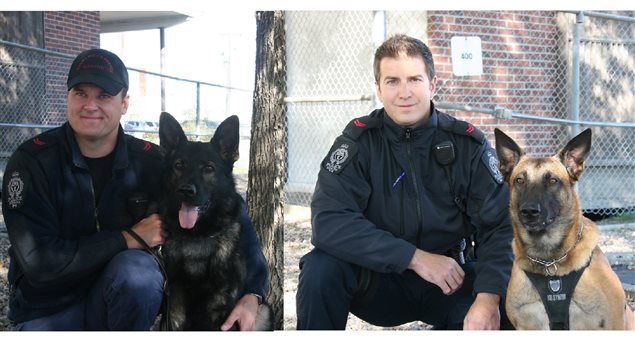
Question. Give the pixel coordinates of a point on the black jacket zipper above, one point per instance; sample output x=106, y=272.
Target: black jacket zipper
x=415, y=183
x=96, y=211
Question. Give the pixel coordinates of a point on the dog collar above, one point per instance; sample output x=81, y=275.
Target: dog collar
x=553, y=264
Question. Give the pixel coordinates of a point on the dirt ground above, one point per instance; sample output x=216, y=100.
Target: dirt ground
x=618, y=244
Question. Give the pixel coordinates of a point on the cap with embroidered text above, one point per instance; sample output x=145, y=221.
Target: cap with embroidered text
x=101, y=68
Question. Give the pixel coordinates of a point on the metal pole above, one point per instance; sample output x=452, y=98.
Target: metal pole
x=228, y=73
x=198, y=104
x=161, y=62
x=380, y=34
x=609, y=16
x=36, y=49
x=575, y=92
x=575, y=100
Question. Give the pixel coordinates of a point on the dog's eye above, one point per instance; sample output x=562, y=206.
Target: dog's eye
x=520, y=180
x=553, y=181
x=208, y=168
x=179, y=165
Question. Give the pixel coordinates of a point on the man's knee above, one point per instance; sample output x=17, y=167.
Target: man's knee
x=320, y=271
x=325, y=290
x=135, y=273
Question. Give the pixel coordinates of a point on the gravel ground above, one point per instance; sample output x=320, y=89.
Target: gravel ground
x=4, y=288
x=618, y=243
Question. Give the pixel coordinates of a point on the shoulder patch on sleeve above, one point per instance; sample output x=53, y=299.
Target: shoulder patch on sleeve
x=356, y=127
x=460, y=127
x=144, y=147
x=490, y=160
x=340, y=154
x=15, y=189
x=39, y=143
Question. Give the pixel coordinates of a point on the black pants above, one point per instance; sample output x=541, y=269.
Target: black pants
x=328, y=290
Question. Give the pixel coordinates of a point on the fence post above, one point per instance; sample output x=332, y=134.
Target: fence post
x=575, y=92
x=161, y=62
x=380, y=34
x=198, y=104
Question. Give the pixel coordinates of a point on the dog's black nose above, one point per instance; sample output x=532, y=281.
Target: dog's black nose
x=530, y=209
x=187, y=190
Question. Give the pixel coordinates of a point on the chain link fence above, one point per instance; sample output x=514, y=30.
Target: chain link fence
x=546, y=76
x=34, y=100
x=23, y=84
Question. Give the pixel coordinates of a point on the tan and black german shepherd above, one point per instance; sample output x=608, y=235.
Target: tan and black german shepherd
x=560, y=277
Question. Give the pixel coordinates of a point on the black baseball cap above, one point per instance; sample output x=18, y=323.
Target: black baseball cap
x=101, y=68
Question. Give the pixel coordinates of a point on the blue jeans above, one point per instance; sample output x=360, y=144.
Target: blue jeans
x=126, y=297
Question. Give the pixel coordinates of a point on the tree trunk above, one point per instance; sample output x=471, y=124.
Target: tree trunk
x=267, y=154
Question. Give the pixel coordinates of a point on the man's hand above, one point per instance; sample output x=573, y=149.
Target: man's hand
x=244, y=312
x=440, y=270
x=484, y=313
x=149, y=229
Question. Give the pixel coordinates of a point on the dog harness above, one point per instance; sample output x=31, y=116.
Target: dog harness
x=556, y=293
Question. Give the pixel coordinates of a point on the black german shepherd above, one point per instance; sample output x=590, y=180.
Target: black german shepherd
x=204, y=262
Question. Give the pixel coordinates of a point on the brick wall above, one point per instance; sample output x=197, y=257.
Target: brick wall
x=68, y=32
x=522, y=70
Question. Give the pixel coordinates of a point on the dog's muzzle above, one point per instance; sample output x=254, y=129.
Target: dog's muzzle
x=534, y=217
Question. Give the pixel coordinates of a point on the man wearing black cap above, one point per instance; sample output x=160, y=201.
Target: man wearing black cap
x=71, y=192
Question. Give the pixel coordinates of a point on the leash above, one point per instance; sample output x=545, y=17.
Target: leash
x=548, y=264
x=156, y=254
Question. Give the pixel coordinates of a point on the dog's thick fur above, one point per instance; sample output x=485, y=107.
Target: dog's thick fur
x=547, y=218
x=200, y=212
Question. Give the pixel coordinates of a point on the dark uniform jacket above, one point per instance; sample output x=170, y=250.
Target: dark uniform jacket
x=381, y=193
x=60, y=239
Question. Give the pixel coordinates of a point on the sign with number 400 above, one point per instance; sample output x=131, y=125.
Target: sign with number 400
x=467, y=56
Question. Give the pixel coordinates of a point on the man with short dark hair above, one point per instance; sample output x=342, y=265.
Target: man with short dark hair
x=398, y=196
x=70, y=193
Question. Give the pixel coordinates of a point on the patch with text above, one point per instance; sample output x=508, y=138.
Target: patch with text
x=340, y=154
x=15, y=190
x=491, y=162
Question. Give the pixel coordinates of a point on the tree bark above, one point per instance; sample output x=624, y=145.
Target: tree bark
x=267, y=154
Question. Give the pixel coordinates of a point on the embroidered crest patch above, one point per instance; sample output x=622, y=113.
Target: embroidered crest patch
x=15, y=190
x=491, y=162
x=339, y=156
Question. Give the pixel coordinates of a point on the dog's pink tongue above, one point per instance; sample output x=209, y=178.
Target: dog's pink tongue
x=188, y=216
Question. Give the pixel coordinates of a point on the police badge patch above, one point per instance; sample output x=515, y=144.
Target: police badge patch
x=491, y=162
x=339, y=155
x=15, y=190
x=555, y=285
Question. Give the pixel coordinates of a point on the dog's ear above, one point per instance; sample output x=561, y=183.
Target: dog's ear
x=574, y=154
x=226, y=139
x=170, y=132
x=508, y=152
